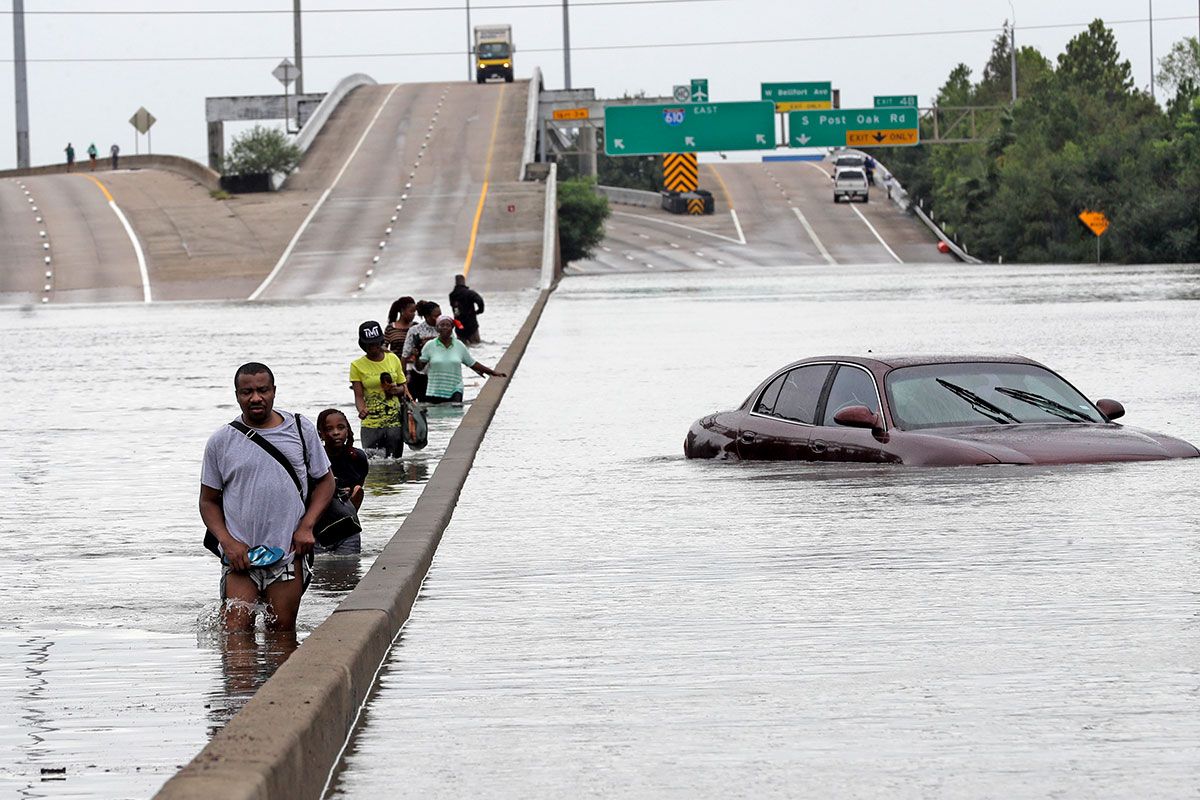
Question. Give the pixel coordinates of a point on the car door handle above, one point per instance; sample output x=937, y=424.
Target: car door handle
x=748, y=437
x=819, y=446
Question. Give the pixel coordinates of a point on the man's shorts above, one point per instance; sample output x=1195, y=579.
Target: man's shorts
x=389, y=440
x=265, y=576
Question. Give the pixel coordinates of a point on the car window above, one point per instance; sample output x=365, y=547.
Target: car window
x=800, y=392
x=766, y=402
x=851, y=175
x=851, y=387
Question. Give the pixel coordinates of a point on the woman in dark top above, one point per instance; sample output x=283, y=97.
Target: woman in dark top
x=349, y=466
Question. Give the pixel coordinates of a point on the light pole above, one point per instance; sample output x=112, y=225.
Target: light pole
x=470, y=46
x=1151, y=2
x=22, y=85
x=1012, y=47
x=566, y=45
x=299, y=57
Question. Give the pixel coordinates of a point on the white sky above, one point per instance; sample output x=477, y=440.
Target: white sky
x=92, y=100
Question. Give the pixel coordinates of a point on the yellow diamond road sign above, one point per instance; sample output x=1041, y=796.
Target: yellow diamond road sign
x=881, y=138
x=1095, y=220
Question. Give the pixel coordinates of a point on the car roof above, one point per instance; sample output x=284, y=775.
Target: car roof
x=889, y=362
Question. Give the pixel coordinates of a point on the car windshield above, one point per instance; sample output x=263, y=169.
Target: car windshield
x=493, y=50
x=956, y=395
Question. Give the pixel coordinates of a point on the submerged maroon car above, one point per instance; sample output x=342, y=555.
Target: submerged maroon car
x=926, y=411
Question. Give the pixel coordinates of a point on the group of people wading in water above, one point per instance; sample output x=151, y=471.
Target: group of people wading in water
x=248, y=496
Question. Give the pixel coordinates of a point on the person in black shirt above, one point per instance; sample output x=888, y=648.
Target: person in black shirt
x=349, y=466
x=467, y=305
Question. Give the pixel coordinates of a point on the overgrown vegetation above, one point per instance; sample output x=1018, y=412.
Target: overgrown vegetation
x=262, y=150
x=581, y=215
x=1079, y=137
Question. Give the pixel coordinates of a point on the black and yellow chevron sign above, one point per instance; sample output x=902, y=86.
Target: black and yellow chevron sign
x=680, y=172
x=695, y=205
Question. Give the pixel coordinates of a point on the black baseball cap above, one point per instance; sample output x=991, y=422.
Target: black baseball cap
x=369, y=333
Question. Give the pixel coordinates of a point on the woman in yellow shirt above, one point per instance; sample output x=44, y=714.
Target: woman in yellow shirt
x=377, y=379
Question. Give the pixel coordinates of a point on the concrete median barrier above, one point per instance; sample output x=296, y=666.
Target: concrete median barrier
x=286, y=742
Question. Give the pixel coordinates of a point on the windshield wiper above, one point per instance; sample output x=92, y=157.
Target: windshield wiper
x=993, y=412
x=1045, y=404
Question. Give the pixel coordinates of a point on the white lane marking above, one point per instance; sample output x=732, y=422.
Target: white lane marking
x=818, y=169
x=677, y=225
x=877, y=236
x=813, y=235
x=737, y=223
x=324, y=195
x=137, y=250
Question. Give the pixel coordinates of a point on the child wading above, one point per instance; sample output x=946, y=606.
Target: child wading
x=349, y=465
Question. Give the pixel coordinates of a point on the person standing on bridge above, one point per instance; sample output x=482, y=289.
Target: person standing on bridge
x=70, y=151
x=445, y=357
x=466, y=304
x=114, y=151
x=92, y=153
x=255, y=499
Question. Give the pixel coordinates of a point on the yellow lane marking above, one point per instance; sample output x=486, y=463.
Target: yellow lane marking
x=487, y=174
x=724, y=189
x=103, y=188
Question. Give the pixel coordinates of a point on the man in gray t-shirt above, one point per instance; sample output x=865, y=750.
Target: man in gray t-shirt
x=248, y=501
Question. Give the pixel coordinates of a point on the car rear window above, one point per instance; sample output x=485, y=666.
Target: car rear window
x=851, y=175
x=984, y=393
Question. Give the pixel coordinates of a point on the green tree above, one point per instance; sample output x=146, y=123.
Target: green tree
x=1092, y=63
x=581, y=215
x=262, y=150
x=1181, y=65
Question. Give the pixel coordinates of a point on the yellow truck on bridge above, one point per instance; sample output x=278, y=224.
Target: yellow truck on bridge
x=493, y=52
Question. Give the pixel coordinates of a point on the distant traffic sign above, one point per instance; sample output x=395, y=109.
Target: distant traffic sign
x=688, y=128
x=896, y=101
x=699, y=89
x=570, y=113
x=286, y=72
x=799, y=96
x=1095, y=220
x=142, y=120
x=682, y=94
x=861, y=127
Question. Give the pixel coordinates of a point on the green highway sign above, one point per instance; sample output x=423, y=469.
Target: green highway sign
x=797, y=96
x=854, y=127
x=699, y=90
x=688, y=128
x=896, y=101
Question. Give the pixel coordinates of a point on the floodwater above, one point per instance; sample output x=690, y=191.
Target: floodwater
x=607, y=619
x=113, y=672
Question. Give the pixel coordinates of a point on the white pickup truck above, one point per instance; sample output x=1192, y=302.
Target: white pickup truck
x=851, y=182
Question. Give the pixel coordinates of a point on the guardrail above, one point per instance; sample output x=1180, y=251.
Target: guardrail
x=550, y=231
x=177, y=164
x=319, y=117
x=529, y=151
x=899, y=195
x=631, y=197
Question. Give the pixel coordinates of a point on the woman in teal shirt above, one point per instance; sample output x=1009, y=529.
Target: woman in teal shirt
x=445, y=357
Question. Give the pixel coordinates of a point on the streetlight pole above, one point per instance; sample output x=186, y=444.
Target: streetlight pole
x=299, y=56
x=21, y=84
x=1012, y=45
x=1151, y=2
x=470, y=46
x=566, y=45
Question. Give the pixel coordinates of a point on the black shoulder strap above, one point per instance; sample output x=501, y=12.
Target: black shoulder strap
x=270, y=449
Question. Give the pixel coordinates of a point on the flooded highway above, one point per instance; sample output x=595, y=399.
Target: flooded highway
x=606, y=618
x=114, y=672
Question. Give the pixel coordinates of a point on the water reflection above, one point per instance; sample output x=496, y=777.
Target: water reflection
x=247, y=660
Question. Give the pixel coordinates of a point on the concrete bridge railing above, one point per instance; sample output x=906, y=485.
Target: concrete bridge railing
x=177, y=164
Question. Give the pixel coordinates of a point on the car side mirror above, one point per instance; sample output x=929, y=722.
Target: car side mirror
x=1111, y=409
x=861, y=417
